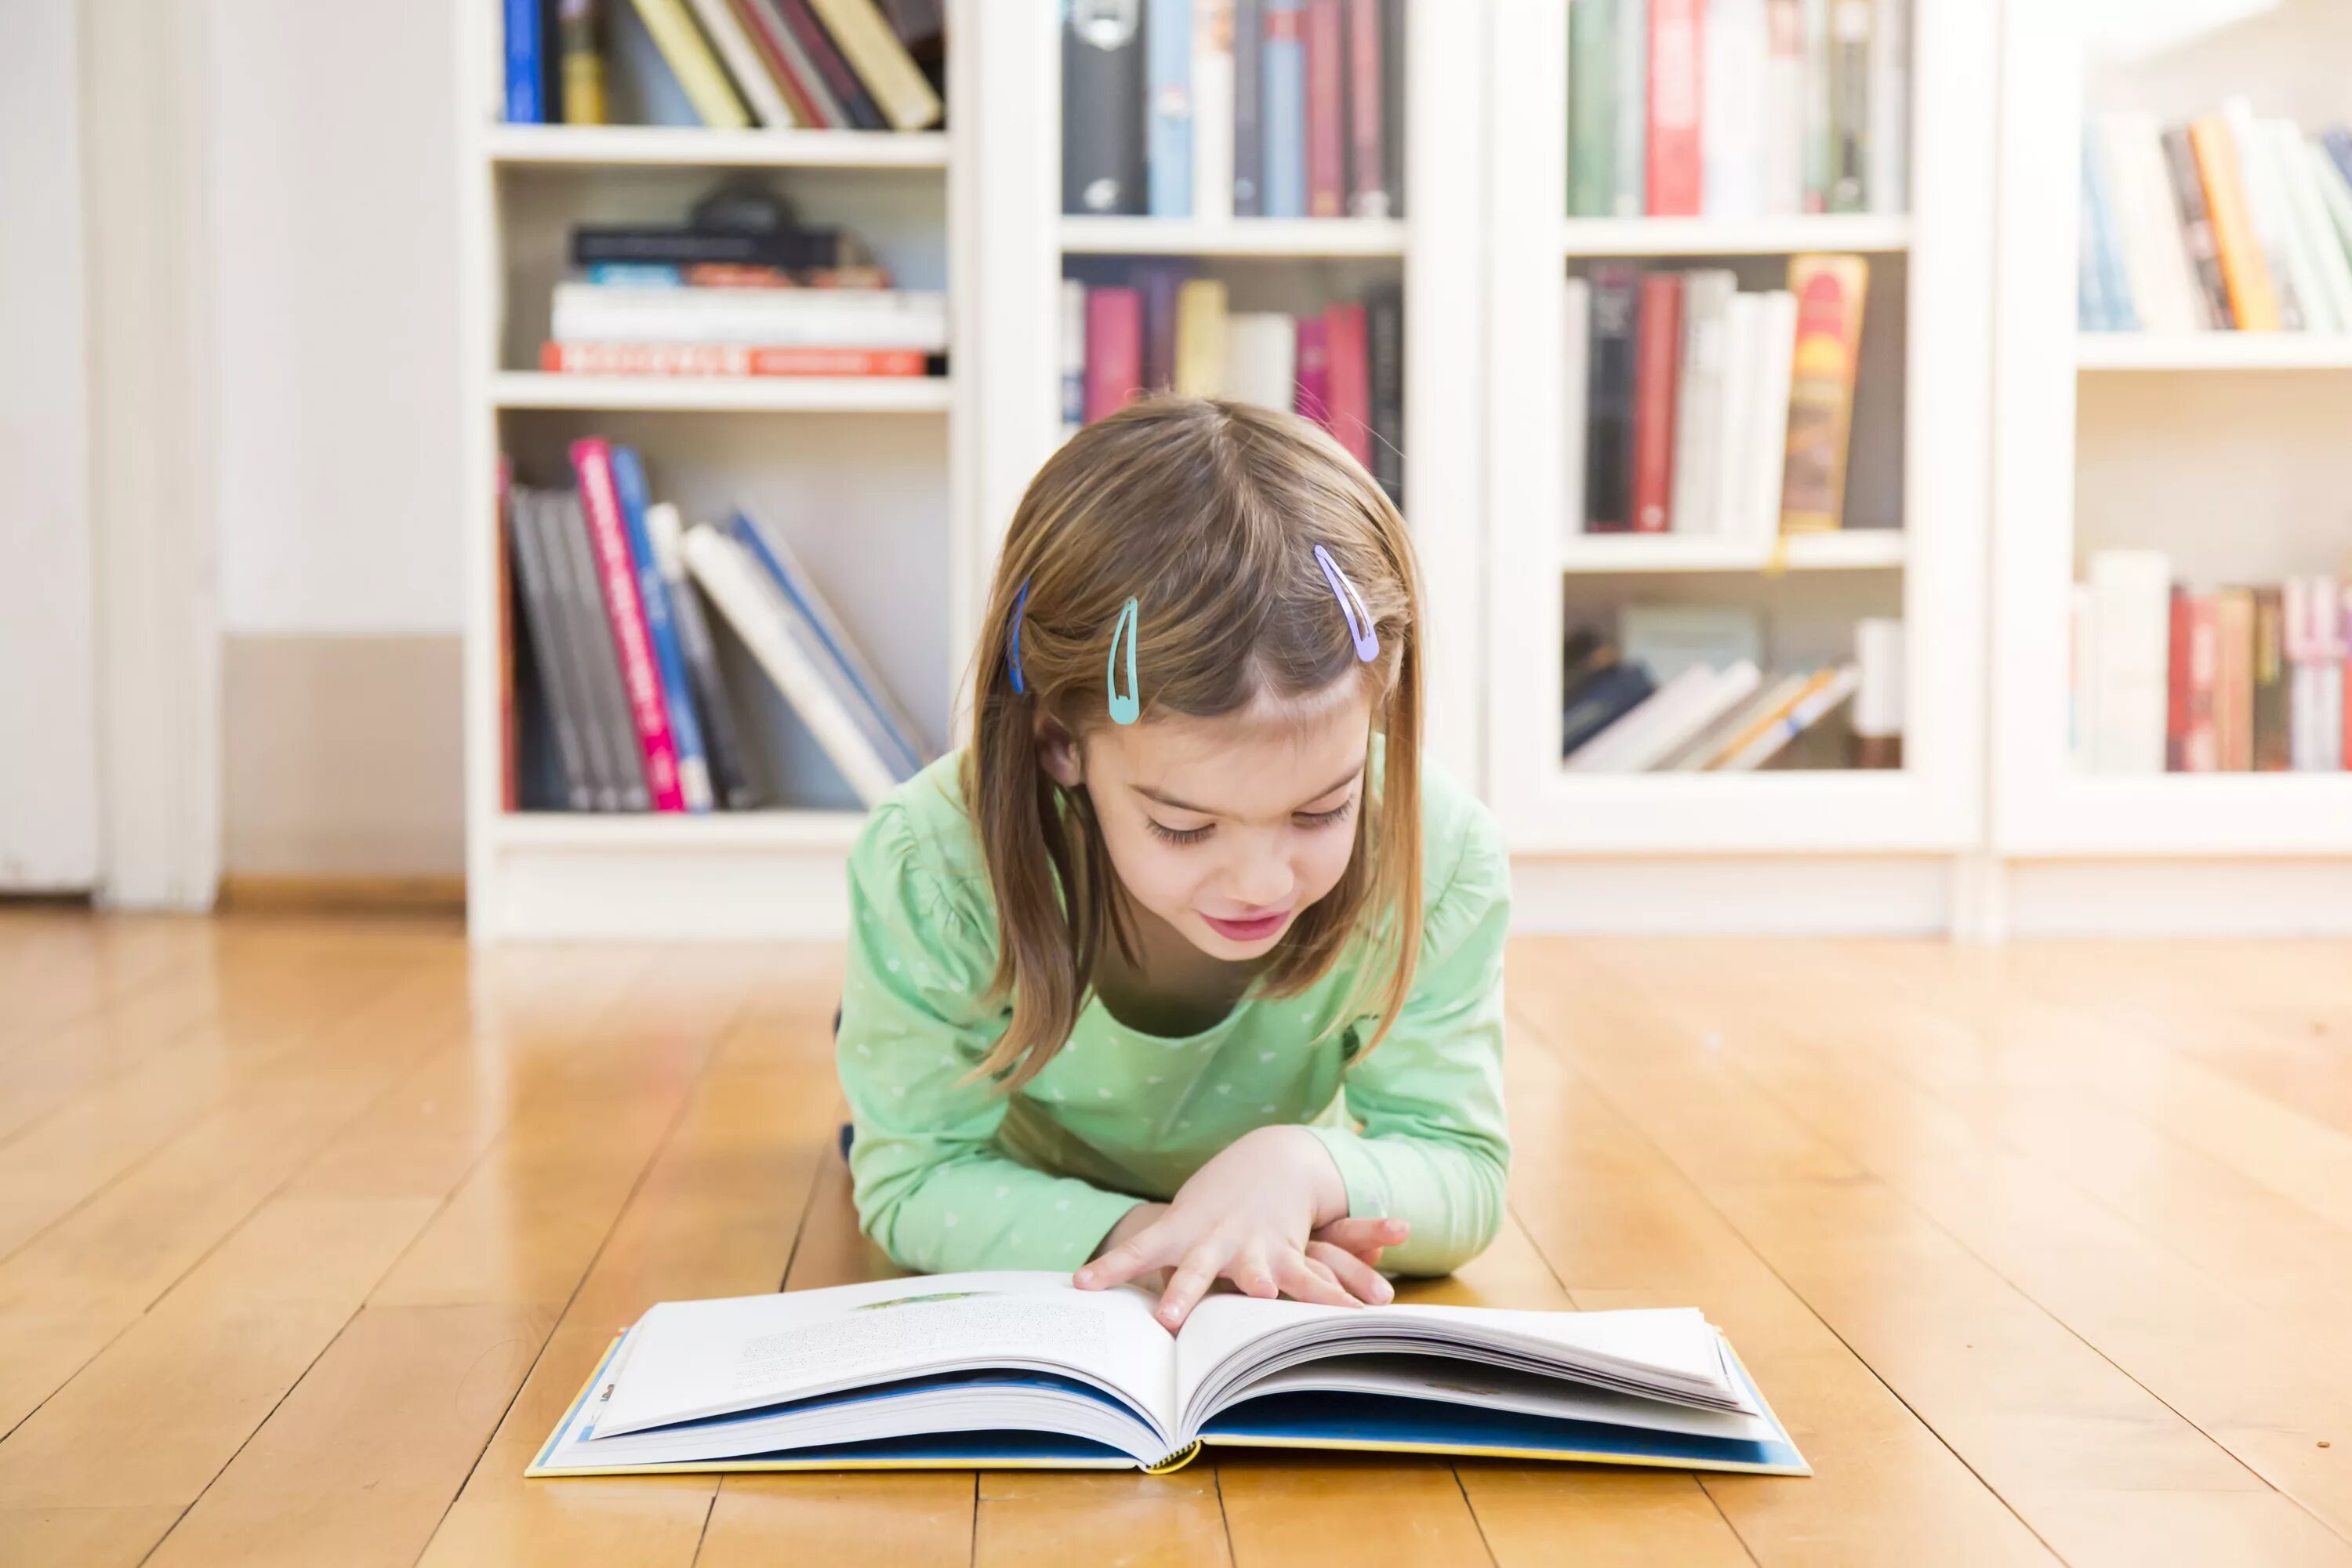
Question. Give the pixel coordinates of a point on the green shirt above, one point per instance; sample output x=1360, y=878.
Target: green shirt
x=951, y=1176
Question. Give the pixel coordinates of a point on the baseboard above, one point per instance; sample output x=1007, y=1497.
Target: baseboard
x=338, y=895
x=1795, y=896
x=2179, y=897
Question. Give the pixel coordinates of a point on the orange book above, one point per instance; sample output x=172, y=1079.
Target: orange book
x=1830, y=291
x=724, y=360
x=2244, y=273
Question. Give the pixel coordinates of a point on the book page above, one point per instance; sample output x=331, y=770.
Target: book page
x=693, y=1359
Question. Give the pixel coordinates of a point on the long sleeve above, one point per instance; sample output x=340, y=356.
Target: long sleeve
x=1434, y=1147
x=931, y=1186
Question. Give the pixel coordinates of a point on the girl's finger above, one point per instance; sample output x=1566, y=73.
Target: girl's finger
x=1351, y=1272
x=1252, y=1275
x=1364, y=1237
x=1155, y=1245
x=1303, y=1281
x=1187, y=1284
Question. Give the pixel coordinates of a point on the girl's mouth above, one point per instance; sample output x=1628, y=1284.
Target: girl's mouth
x=1256, y=929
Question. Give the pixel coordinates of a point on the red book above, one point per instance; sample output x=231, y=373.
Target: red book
x=1348, y=351
x=765, y=25
x=1327, y=142
x=1675, y=93
x=509, y=732
x=830, y=63
x=1314, y=370
x=725, y=360
x=2176, y=703
x=1657, y=354
x=1114, y=350
x=2200, y=746
x=1368, y=190
x=591, y=462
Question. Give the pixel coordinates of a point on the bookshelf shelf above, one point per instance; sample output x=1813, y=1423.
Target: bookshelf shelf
x=1851, y=550
x=2214, y=351
x=681, y=147
x=1240, y=236
x=719, y=833
x=776, y=395
x=1732, y=237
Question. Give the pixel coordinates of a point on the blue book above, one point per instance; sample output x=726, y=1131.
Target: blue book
x=1168, y=70
x=1282, y=110
x=2104, y=242
x=1602, y=702
x=526, y=73
x=661, y=629
x=884, y=724
x=635, y=275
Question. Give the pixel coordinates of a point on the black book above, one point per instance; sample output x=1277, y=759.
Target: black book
x=1609, y=400
x=730, y=782
x=1607, y=698
x=1249, y=129
x=2196, y=228
x=668, y=244
x=581, y=635
x=551, y=665
x=1103, y=108
x=833, y=64
x=615, y=728
x=1392, y=103
x=1583, y=658
x=1384, y=332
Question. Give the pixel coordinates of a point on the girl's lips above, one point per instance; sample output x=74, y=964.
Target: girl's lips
x=1255, y=929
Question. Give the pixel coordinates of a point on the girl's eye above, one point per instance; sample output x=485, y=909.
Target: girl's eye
x=1167, y=835
x=1331, y=818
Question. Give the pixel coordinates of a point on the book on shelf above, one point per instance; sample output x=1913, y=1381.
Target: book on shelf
x=1737, y=107
x=1020, y=1368
x=1830, y=292
x=2170, y=676
x=661, y=632
x=2230, y=221
x=1342, y=366
x=1680, y=410
x=1211, y=109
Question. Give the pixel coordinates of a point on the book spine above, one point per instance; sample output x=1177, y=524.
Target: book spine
x=1656, y=362
x=1784, y=108
x=1890, y=108
x=510, y=607
x=591, y=460
x=1732, y=164
x=1249, y=95
x=1769, y=443
x=1384, y=328
x=1168, y=132
x=1114, y=350
x=1367, y=190
x=2304, y=164
x=1283, y=109
x=1102, y=99
x=1213, y=85
x=735, y=50
x=1313, y=396
x=1262, y=358
x=580, y=43
x=2272, y=735
x=612, y=734
x=2177, y=683
x=539, y=607
x=858, y=108
x=525, y=94
x=661, y=632
x=1346, y=332
x=690, y=58
x=2118, y=311
x=1877, y=717
x=1576, y=378
x=2265, y=210
x=1074, y=354
x=2197, y=229
x=2200, y=746
x=1830, y=291
x=795, y=74
x=1600, y=702
x=729, y=360
x=1675, y=172
x=794, y=251
x=2233, y=680
x=1326, y=141
x=1392, y=101
x=1819, y=147
x=879, y=63
x=2253, y=306
x=765, y=317
x=730, y=779
x=1741, y=402
x=1201, y=337
x=1592, y=108
x=1699, y=400
x=1628, y=184
x=1158, y=283
x=1609, y=457
x=2336, y=142
x=1850, y=22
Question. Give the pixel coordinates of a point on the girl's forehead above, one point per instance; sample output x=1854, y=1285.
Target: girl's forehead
x=1236, y=763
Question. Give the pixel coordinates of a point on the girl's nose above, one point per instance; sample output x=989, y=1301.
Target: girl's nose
x=1264, y=883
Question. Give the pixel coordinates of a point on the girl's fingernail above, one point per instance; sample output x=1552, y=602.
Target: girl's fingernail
x=1083, y=1277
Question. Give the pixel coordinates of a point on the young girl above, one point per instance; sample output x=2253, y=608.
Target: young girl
x=1188, y=962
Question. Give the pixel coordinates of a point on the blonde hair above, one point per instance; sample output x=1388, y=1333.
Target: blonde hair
x=1207, y=514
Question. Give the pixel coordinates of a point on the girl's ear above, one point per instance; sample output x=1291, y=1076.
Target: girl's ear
x=1057, y=749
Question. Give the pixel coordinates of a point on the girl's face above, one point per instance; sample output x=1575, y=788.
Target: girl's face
x=1227, y=829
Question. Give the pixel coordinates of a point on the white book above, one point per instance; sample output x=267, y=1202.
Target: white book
x=1698, y=715
x=744, y=63
x=788, y=652
x=780, y=317
x=1743, y=341
x=1698, y=400
x=2131, y=656
x=1632, y=186
x=1767, y=437
x=1782, y=123
x=1878, y=699
x=1824, y=701
x=1262, y=359
x=1668, y=638
x=1212, y=110
x=1712, y=743
x=2314, y=230
x=1890, y=107
x=2335, y=193
x=1073, y=355
x=1576, y=356
x=2266, y=208
x=1631, y=735
x=2155, y=258
x=1731, y=151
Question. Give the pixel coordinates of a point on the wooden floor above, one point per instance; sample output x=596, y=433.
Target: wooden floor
x=308, y=1231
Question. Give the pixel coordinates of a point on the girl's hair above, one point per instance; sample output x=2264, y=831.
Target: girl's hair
x=1207, y=514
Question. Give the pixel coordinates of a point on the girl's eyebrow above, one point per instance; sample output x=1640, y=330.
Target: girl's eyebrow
x=1171, y=802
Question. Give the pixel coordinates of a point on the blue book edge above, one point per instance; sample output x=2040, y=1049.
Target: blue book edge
x=686, y=733
x=525, y=103
x=1168, y=54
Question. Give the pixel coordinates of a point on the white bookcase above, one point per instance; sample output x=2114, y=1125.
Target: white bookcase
x=1883, y=850
x=2223, y=449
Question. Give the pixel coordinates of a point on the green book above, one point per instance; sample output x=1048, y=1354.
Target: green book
x=1592, y=108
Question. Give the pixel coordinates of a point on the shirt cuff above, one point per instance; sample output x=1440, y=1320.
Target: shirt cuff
x=1359, y=1173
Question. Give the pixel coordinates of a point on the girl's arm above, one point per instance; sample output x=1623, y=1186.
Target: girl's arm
x=929, y=1185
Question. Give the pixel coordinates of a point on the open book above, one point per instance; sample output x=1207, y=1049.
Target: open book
x=1003, y=1370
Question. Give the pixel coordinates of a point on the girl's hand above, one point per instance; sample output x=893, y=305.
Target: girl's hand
x=1252, y=1215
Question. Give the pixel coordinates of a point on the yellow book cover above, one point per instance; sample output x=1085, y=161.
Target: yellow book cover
x=2245, y=275
x=689, y=54
x=1830, y=291
x=1201, y=337
x=582, y=56
x=881, y=62
x=1765, y=720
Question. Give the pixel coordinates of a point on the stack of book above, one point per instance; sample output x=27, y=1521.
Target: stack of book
x=1696, y=409
x=861, y=65
x=2228, y=222
x=620, y=662
x=1220, y=109
x=2168, y=679
x=740, y=289
x=1343, y=368
x=1684, y=689
x=1737, y=107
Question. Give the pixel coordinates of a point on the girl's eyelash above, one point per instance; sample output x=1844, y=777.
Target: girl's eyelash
x=1177, y=835
x=1336, y=815
x=1331, y=818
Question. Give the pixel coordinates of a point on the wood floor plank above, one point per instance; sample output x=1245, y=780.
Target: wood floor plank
x=1032, y=1519
x=79, y=1537
x=1288, y=1506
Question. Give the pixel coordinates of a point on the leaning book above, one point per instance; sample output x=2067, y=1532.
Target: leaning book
x=1019, y=1370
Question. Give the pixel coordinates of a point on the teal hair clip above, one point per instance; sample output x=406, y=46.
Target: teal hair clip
x=1124, y=709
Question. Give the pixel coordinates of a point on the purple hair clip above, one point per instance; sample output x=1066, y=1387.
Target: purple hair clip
x=1013, y=640
x=1351, y=604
